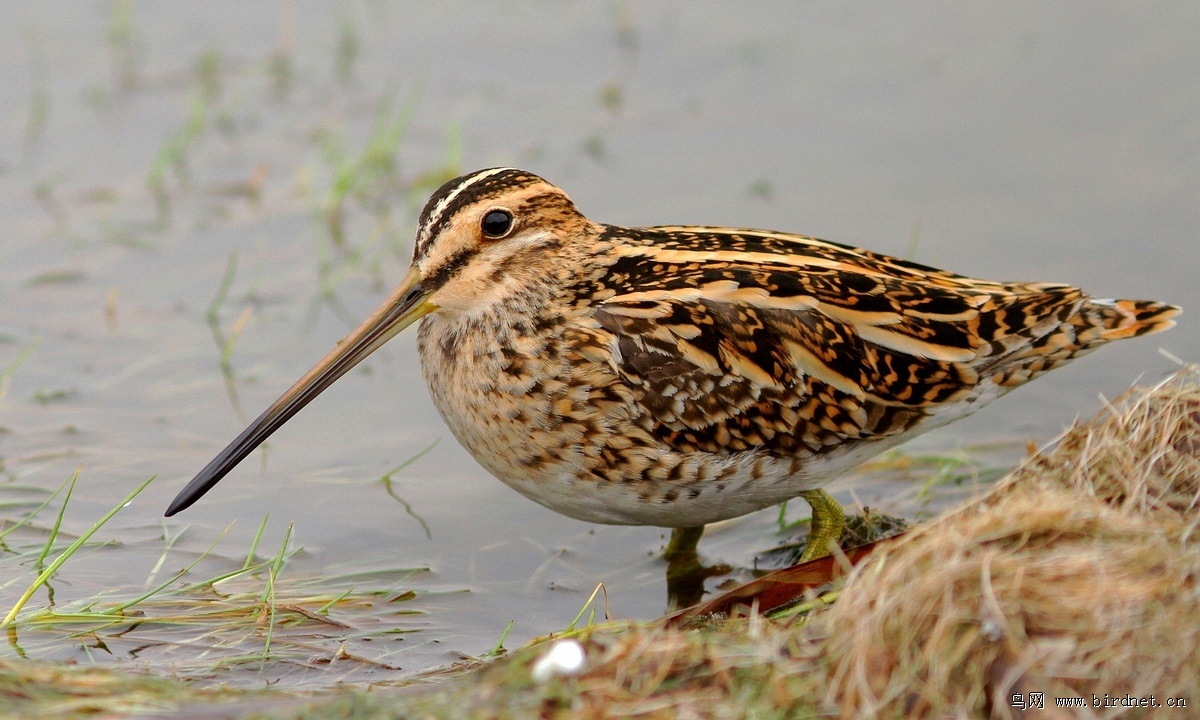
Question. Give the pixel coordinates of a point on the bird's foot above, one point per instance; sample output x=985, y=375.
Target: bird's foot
x=828, y=520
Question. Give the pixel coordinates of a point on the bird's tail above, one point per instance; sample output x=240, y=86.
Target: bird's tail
x=1099, y=321
x=1094, y=323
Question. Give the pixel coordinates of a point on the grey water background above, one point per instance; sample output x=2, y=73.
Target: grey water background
x=1013, y=140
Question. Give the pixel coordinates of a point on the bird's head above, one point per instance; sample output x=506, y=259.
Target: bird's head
x=484, y=236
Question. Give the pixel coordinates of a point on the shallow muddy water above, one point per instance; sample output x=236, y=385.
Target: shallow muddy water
x=149, y=151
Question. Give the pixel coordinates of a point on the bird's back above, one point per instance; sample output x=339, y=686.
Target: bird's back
x=742, y=339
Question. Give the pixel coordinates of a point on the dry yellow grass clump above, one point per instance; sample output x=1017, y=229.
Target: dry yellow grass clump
x=1075, y=578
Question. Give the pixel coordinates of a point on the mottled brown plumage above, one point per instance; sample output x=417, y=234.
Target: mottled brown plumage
x=675, y=376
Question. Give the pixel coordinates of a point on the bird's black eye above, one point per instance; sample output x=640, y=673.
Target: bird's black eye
x=497, y=223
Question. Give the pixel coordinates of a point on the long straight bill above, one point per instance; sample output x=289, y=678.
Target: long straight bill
x=404, y=307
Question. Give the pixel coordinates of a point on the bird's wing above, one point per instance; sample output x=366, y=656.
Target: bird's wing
x=740, y=350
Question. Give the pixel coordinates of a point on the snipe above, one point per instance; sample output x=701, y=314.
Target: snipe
x=675, y=376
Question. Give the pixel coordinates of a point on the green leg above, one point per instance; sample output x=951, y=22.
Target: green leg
x=683, y=543
x=685, y=573
x=828, y=519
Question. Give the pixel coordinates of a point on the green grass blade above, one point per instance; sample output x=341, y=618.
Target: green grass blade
x=66, y=554
x=268, y=596
x=58, y=520
x=262, y=527
x=498, y=649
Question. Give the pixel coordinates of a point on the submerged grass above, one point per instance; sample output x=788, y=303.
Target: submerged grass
x=369, y=182
x=7, y=372
x=225, y=343
x=369, y=178
x=245, y=622
x=389, y=486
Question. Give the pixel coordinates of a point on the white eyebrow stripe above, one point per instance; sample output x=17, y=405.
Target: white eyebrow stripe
x=435, y=215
